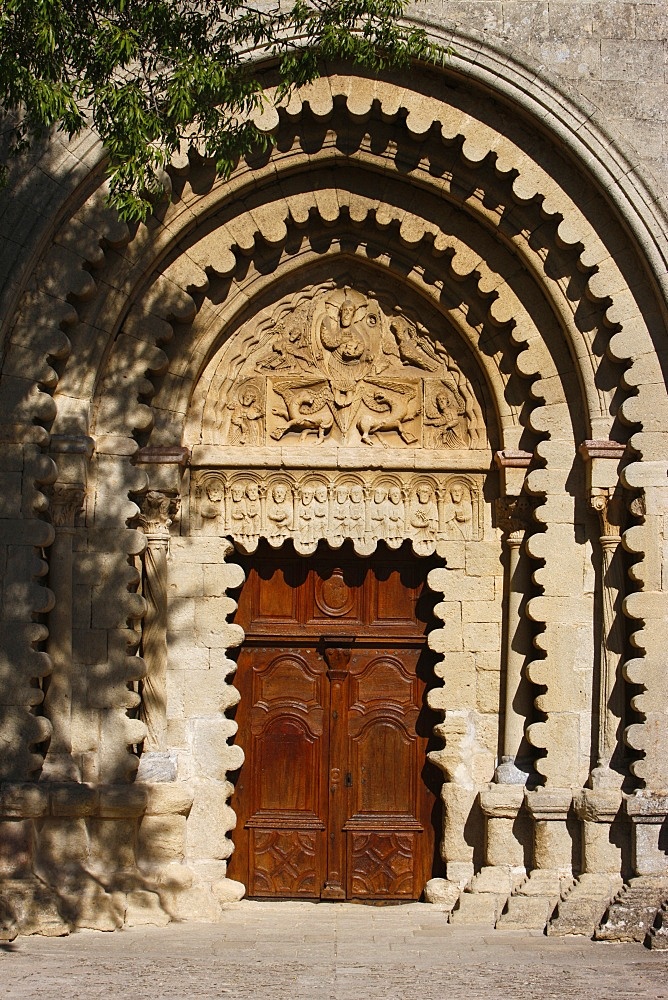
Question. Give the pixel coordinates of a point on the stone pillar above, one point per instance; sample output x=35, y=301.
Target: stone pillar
x=553, y=846
x=66, y=502
x=608, y=772
x=71, y=453
x=648, y=812
x=501, y=805
x=513, y=515
x=157, y=512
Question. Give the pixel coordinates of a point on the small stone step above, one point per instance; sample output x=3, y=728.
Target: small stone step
x=634, y=910
x=582, y=909
x=35, y=909
x=8, y=926
x=476, y=908
x=533, y=902
x=525, y=913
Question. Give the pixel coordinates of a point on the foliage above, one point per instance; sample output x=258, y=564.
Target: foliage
x=150, y=75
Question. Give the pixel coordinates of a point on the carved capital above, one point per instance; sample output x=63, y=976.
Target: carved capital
x=66, y=501
x=513, y=516
x=611, y=510
x=158, y=510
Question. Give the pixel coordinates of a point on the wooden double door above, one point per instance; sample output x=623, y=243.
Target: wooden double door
x=336, y=799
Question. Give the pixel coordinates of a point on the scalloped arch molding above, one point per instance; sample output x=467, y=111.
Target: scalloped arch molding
x=512, y=234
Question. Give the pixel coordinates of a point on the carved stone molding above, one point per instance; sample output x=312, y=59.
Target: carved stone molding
x=342, y=366
x=602, y=459
x=167, y=455
x=610, y=450
x=364, y=507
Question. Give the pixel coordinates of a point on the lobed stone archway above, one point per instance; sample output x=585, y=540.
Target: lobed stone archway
x=519, y=285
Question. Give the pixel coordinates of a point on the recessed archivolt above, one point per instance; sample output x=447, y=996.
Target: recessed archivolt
x=238, y=235
x=538, y=228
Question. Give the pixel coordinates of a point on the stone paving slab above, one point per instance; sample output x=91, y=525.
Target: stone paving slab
x=285, y=951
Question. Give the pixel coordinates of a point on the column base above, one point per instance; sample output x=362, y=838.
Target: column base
x=512, y=771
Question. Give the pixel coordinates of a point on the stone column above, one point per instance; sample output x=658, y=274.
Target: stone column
x=609, y=506
x=648, y=812
x=501, y=806
x=553, y=845
x=157, y=512
x=513, y=515
x=599, y=806
x=66, y=501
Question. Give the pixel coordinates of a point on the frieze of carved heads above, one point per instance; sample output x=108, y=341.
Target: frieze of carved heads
x=365, y=508
x=339, y=366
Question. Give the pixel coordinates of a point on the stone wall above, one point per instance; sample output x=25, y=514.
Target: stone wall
x=610, y=55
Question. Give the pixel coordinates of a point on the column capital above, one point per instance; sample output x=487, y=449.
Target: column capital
x=65, y=502
x=610, y=506
x=513, y=515
x=157, y=511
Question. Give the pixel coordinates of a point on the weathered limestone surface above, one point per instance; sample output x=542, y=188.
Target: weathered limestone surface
x=434, y=314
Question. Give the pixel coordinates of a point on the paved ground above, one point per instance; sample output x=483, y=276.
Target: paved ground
x=285, y=951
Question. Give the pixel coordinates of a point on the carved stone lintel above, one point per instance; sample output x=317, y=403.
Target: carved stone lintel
x=365, y=507
x=157, y=512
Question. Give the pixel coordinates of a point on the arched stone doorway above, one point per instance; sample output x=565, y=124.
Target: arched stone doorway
x=521, y=279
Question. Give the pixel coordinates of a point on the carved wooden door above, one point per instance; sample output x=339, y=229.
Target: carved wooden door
x=332, y=801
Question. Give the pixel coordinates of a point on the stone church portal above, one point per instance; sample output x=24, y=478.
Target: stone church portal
x=333, y=519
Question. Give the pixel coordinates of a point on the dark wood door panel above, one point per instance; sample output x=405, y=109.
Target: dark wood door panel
x=331, y=802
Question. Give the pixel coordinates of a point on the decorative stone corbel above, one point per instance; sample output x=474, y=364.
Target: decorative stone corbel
x=158, y=510
x=514, y=517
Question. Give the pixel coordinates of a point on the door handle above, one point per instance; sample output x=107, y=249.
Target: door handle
x=348, y=781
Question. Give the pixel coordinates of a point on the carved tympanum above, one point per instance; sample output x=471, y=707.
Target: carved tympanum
x=338, y=365
x=364, y=507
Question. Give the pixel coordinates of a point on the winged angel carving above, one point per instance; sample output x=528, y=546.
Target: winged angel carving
x=342, y=366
